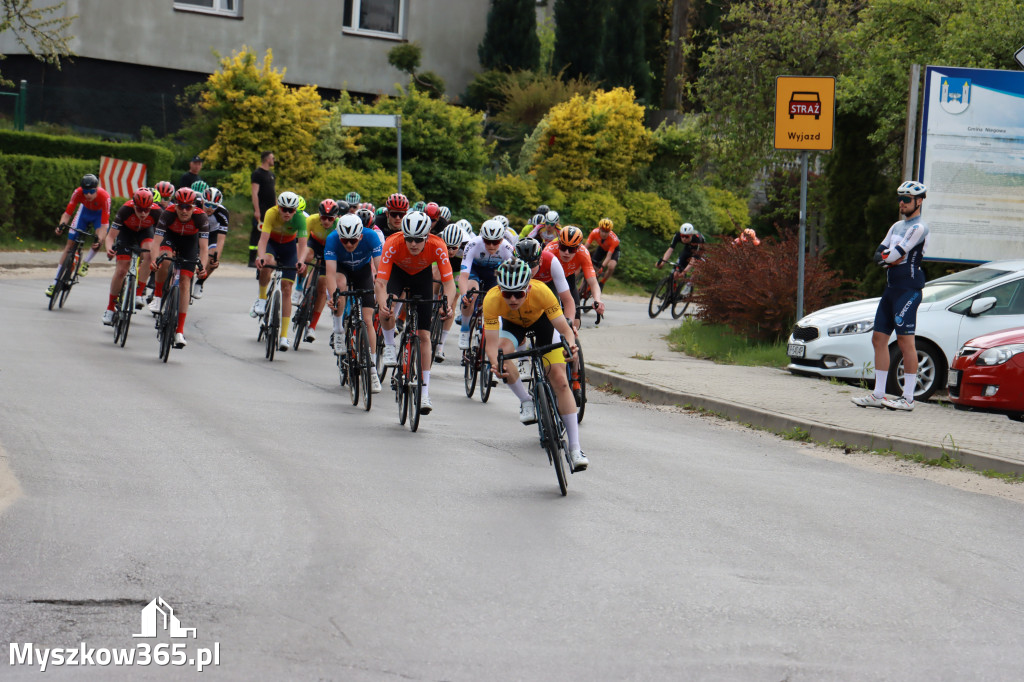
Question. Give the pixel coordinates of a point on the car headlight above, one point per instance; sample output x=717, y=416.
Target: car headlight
x=858, y=327
x=999, y=354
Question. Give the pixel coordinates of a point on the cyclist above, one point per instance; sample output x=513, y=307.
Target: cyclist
x=511, y=236
x=455, y=237
x=132, y=226
x=483, y=254
x=747, y=236
x=218, y=218
x=607, y=252
x=545, y=267
x=319, y=226
x=284, y=233
x=693, y=248
x=536, y=220
x=437, y=221
x=406, y=266
x=184, y=231
x=511, y=309
x=419, y=207
x=353, y=200
x=389, y=221
x=547, y=231
x=568, y=250
x=95, y=208
x=351, y=255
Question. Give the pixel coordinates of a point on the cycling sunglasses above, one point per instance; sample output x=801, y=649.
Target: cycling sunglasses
x=906, y=200
x=513, y=295
x=285, y=210
x=493, y=242
x=350, y=242
x=567, y=249
x=396, y=214
x=414, y=240
x=88, y=191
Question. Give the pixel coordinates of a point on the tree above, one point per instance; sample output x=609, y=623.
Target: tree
x=679, y=28
x=406, y=57
x=579, y=29
x=623, y=62
x=254, y=111
x=40, y=30
x=511, y=40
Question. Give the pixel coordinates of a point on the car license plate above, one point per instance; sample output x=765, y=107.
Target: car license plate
x=796, y=350
x=954, y=377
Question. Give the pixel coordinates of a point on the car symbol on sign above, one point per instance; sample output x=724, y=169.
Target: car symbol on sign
x=804, y=104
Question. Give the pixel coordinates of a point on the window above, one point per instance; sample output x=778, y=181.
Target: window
x=382, y=18
x=1009, y=300
x=227, y=8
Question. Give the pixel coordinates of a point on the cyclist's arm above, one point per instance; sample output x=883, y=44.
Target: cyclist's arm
x=303, y=247
x=256, y=203
x=331, y=273
x=261, y=247
x=562, y=288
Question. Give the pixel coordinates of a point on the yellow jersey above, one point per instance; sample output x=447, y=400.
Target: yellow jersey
x=316, y=229
x=540, y=300
x=281, y=230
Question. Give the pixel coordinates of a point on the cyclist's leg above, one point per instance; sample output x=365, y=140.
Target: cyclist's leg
x=609, y=267
x=125, y=238
x=287, y=256
x=187, y=248
x=510, y=337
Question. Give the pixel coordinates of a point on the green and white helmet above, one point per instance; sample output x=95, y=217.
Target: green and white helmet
x=513, y=275
x=199, y=186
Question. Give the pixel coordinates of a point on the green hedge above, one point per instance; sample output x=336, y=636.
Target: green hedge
x=34, y=192
x=157, y=159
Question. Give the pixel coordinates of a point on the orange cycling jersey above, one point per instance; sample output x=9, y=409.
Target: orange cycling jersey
x=580, y=261
x=397, y=253
x=607, y=244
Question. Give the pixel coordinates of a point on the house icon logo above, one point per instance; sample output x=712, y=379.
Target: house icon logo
x=158, y=616
x=955, y=94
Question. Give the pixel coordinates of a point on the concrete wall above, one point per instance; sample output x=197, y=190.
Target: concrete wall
x=305, y=36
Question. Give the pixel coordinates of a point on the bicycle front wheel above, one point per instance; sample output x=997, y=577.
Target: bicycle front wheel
x=550, y=434
x=578, y=383
x=660, y=297
x=399, y=379
x=414, y=383
x=681, y=304
x=352, y=360
x=274, y=323
x=366, y=367
x=126, y=309
x=168, y=322
x=469, y=371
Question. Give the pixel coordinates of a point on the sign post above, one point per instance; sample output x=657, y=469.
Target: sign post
x=805, y=109
x=379, y=121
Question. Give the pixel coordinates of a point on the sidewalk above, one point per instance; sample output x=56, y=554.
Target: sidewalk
x=778, y=400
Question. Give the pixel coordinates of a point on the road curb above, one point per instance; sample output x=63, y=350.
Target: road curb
x=822, y=433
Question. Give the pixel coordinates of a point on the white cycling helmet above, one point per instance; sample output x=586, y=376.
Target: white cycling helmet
x=501, y=219
x=453, y=235
x=350, y=226
x=513, y=275
x=551, y=218
x=911, y=189
x=446, y=212
x=492, y=229
x=416, y=224
x=687, y=228
x=537, y=219
x=289, y=200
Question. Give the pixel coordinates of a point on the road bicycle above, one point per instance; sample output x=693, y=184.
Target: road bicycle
x=407, y=379
x=474, y=359
x=587, y=299
x=303, y=315
x=124, y=307
x=675, y=291
x=576, y=372
x=167, y=318
x=552, y=431
x=355, y=368
x=270, y=320
x=67, y=275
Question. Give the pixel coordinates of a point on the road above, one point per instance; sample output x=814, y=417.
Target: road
x=311, y=540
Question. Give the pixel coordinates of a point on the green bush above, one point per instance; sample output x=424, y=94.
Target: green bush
x=639, y=252
x=34, y=192
x=651, y=213
x=586, y=208
x=514, y=196
x=157, y=159
x=730, y=212
x=373, y=186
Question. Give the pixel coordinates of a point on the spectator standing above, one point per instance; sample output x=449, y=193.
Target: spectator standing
x=264, y=197
x=195, y=166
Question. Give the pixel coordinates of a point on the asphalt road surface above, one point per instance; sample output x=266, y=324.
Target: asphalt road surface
x=305, y=539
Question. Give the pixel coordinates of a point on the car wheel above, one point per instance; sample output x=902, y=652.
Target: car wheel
x=931, y=370
x=1016, y=416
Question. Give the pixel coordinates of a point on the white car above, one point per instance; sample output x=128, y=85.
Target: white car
x=836, y=341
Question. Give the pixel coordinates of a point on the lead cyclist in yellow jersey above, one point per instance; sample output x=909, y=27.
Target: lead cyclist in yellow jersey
x=283, y=236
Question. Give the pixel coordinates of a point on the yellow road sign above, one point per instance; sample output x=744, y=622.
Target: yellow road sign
x=805, y=112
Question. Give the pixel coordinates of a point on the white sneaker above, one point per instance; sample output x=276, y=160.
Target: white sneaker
x=108, y=317
x=197, y=291
x=439, y=353
x=578, y=461
x=900, y=403
x=310, y=336
x=527, y=412
x=259, y=307
x=154, y=305
x=463, y=340
x=868, y=400
x=425, y=405
x=338, y=343
x=390, y=356
x=296, y=296
x=140, y=302
x=179, y=340
x=374, y=382
x=283, y=343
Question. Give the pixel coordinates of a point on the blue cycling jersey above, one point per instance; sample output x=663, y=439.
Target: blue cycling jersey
x=369, y=247
x=907, y=240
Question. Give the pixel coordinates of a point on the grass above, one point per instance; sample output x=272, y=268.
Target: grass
x=721, y=344
x=643, y=356
x=617, y=286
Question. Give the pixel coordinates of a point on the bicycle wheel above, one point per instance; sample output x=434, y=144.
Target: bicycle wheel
x=67, y=276
x=399, y=380
x=414, y=384
x=304, y=314
x=579, y=376
x=469, y=371
x=436, y=326
x=365, y=366
x=58, y=286
x=126, y=309
x=168, y=322
x=660, y=297
x=352, y=360
x=274, y=323
x=680, y=304
x=381, y=369
x=550, y=433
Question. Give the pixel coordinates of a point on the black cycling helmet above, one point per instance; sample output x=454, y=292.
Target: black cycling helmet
x=90, y=181
x=529, y=250
x=543, y=209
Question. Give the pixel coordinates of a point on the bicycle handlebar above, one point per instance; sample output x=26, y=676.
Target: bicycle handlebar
x=536, y=350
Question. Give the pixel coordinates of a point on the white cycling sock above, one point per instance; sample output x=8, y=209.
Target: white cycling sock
x=520, y=390
x=572, y=430
x=880, y=379
x=337, y=324
x=425, y=381
x=909, y=384
x=90, y=254
x=444, y=336
x=389, y=336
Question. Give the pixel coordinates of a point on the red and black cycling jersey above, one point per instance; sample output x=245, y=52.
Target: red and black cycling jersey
x=169, y=222
x=127, y=217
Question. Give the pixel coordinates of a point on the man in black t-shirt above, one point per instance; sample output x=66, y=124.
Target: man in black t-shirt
x=264, y=196
x=195, y=166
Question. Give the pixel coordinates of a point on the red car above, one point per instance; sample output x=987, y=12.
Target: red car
x=988, y=374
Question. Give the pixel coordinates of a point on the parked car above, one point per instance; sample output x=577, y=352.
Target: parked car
x=988, y=374
x=836, y=341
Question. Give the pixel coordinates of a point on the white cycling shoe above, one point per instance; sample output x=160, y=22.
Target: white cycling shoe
x=374, y=382
x=179, y=340
x=578, y=461
x=108, y=317
x=390, y=357
x=527, y=412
